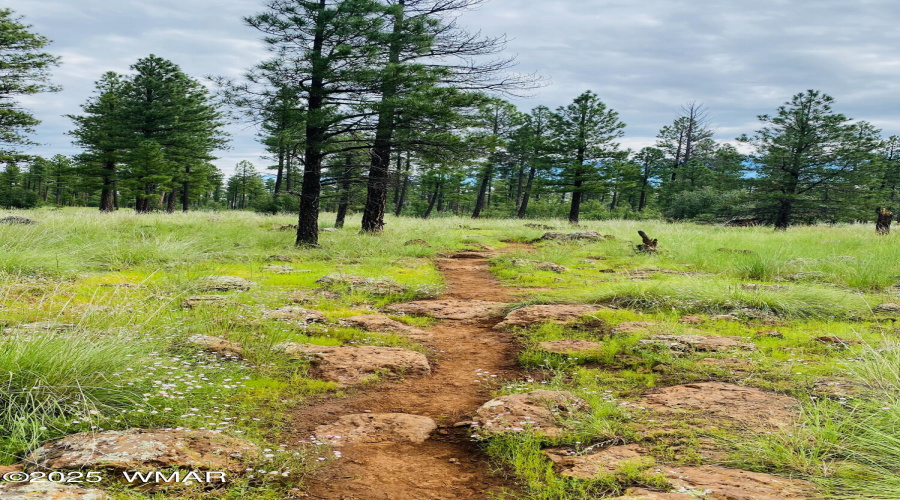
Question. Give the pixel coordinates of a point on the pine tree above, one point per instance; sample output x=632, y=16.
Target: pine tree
x=24, y=70
x=805, y=151
x=104, y=133
x=584, y=134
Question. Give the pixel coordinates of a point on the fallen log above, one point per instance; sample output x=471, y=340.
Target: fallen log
x=649, y=245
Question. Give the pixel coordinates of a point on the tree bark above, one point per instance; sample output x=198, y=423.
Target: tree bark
x=107, y=197
x=482, y=191
x=346, y=183
x=404, y=184
x=186, y=190
x=526, y=194
x=885, y=217
x=376, y=196
x=784, y=214
x=170, y=202
x=434, y=197
x=308, y=219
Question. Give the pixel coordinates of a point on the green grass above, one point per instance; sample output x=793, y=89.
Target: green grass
x=119, y=280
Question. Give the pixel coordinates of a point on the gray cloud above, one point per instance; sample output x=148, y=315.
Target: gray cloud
x=643, y=57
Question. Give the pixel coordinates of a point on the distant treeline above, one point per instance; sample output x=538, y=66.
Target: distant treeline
x=390, y=107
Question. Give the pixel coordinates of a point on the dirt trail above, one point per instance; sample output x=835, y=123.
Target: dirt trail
x=448, y=465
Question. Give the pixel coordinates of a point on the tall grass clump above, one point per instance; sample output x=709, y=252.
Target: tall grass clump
x=48, y=379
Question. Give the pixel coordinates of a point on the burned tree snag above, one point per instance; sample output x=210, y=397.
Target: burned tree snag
x=649, y=246
x=885, y=217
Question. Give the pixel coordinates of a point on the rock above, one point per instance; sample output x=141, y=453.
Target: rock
x=545, y=227
x=554, y=313
x=330, y=230
x=218, y=345
x=633, y=327
x=839, y=387
x=540, y=265
x=733, y=250
x=304, y=296
x=735, y=484
x=376, y=428
x=697, y=343
x=280, y=269
x=890, y=307
x=538, y=411
x=642, y=494
x=139, y=449
x=39, y=327
x=808, y=276
x=606, y=461
x=837, y=341
x=349, y=365
x=774, y=334
x=48, y=490
x=570, y=346
x=280, y=258
x=416, y=242
x=366, y=285
x=295, y=314
x=735, y=365
x=753, y=408
x=474, y=254
x=768, y=288
x=202, y=300
x=382, y=323
x=451, y=309
x=724, y=317
x=693, y=320
x=225, y=284
x=13, y=219
x=581, y=235
x=10, y=468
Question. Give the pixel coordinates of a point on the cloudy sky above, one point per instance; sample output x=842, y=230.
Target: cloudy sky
x=645, y=58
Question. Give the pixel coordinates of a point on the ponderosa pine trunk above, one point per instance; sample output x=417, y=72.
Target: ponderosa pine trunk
x=404, y=184
x=379, y=166
x=107, y=194
x=344, y=201
x=526, y=194
x=310, y=192
x=482, y=191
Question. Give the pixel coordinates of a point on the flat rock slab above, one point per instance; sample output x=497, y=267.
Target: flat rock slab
x=551, y=313
x=203, y=300
x=382, y=323
x=633, y=327
x=350, y=365
x=541, y=265
x=747, y=406
x=541, y=412
x=736, y=484
x=139, y=449
x=697, y=342
x=890, y=308
x=451, y=309
x=295, y=314
x=376, y=428
x=218, y=345
x=14, y=219
x=642, y=494
x=39, y=327
x=581, y=235
x=606, y=461
x=225, y=284
x=46, y=490
x=374, y=286
x=570, y=346
x=277, y=269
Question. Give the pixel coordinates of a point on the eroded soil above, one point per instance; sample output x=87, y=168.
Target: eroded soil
x=448, y=465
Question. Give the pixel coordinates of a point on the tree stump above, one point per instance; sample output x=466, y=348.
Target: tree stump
x=885, y=217
x=649, y=245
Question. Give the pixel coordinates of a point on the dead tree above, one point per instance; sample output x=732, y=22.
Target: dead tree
x=649, y=246
x=885, y=217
